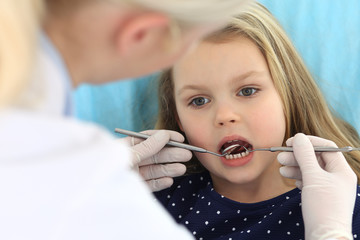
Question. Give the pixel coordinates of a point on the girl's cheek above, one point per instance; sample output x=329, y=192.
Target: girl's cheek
x=196, y=128
x=194, y=137
x=195, y=134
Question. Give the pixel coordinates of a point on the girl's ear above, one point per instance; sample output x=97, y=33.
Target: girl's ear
x=141, y=31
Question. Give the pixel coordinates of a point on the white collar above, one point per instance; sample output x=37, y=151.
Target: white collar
x=49, y=91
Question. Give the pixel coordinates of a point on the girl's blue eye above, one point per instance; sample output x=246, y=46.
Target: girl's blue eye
x=246, y=92
x=199, y=101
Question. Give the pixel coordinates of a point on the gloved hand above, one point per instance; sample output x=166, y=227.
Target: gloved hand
x=156, y=164
x=328, y=187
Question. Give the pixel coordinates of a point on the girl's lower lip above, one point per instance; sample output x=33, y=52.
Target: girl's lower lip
x=237, y=162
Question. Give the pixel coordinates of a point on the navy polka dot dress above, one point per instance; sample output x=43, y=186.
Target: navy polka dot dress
x=193, y=202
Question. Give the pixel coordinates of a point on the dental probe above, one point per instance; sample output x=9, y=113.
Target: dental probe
x=316, y=149
x=178, y=144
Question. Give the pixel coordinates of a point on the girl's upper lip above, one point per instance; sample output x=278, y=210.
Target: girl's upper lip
x=230, y=138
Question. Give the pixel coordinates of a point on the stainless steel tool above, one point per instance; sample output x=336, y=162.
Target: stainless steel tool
x=226, y=151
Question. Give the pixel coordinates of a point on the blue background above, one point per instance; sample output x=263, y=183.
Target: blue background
x=325, y=32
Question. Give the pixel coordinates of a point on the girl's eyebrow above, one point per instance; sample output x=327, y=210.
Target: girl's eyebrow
x=246, y=75
x=190, y=87
x=236, y=79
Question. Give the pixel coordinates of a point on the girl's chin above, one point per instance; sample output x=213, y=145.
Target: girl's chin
x=235, y=178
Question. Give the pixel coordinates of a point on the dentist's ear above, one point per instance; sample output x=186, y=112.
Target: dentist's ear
x=141, y=31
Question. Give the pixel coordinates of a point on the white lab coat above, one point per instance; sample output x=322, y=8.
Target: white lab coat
x=64, y=179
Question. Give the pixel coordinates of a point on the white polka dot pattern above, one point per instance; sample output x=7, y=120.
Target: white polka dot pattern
x=192, y=201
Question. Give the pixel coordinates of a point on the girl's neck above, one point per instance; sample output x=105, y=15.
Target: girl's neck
x=265, y=187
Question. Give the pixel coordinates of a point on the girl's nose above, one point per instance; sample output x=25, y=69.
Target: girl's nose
x=226, y=115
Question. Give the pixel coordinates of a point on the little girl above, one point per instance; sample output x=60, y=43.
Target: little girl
x=244, y=85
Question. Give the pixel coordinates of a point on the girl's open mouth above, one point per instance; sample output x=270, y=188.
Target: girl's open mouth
x=241, y=151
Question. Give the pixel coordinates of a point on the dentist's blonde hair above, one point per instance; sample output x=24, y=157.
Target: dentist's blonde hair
x=305, y=108
x=19, y=25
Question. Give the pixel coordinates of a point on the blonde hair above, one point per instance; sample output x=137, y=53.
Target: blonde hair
x=19, y=26
x=304, y=106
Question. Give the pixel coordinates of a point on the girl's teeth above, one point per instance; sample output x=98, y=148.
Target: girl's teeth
x=238, y=155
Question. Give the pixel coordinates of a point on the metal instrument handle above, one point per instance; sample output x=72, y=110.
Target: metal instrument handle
x=317, y=149
x=170, y=143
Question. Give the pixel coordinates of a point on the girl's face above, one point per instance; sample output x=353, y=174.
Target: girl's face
x=224, y=92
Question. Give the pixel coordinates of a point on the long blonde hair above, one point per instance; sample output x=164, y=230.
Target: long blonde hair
x=304, y=106
x=19, y=26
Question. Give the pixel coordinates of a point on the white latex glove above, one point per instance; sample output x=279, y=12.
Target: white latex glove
x=328, y=187
x=156, y=164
